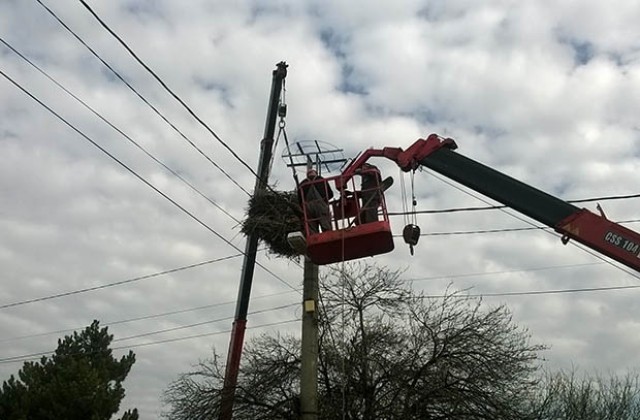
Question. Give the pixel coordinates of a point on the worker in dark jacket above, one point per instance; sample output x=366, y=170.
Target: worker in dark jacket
x=316, y=193
x=369, y=192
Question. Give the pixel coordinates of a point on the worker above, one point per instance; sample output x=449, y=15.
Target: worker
x=369, y=192
x=315, y=192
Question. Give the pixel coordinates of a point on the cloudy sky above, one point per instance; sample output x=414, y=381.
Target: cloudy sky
x=546, y=91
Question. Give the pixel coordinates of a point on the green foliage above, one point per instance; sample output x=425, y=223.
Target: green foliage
x=81, y=380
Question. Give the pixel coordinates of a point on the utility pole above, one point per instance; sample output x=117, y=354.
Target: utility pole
x=309, y=358
x=313, y=153
x=251, y=249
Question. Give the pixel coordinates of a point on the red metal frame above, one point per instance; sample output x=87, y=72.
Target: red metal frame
x=592, y=230
x=355, y=239
x=350, y=238
x=360, y=241
x=407, y=160
x=233, y=360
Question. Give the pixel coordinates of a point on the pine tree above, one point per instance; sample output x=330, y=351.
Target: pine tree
x=81, y=380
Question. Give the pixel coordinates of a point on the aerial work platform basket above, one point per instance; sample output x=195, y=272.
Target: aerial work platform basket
x=353, y=225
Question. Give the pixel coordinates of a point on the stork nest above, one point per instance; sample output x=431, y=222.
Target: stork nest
x=271, y=216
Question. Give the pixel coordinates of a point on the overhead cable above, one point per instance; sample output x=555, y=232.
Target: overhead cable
x=197, y=324
x=499, y=207
x=525, y=220
x=164, y=85
x=116, y=283
x=141, y=318
x=131, y=140
x=480, y=231
x=134, y=173
x=535, y=292
x=493, y=273
x=141, y=97
x=37, y=356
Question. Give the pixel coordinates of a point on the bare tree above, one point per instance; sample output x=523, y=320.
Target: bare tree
x=385, y=353
x=268, y=384
x=570, y=396
x=406, y=356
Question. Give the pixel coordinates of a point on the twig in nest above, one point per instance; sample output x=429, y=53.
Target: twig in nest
x=271, y=216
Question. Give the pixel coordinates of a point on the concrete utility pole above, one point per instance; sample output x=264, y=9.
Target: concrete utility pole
x=251, y=250
x=310, y=294
x=310, y=347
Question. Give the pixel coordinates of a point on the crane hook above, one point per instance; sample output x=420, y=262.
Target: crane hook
x=411, y=234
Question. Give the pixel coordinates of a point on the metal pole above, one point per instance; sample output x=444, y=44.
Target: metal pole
x=309, y=352
x=251, y=248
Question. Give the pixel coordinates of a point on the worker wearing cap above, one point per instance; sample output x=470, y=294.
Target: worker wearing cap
x=369, y=192
x=315, y=192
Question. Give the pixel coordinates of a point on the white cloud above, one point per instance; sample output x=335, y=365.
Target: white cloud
x=546, y=92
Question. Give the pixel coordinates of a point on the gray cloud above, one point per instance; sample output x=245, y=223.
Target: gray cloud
x=543, y=91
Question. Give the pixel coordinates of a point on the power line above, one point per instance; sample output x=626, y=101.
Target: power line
x=492, y=273
x=36, y=356
x=161, y=331
x=170, y=271
x=523, y=219
x=499, y=207
x=173, y=340
x=59, y=20
x=146, y=317
x=171, y=92
x=198, y=324
x=116, y=283
x=206, y=126
x=135, y=143
x=164, y=85
x=480, y=231
x=536, y=292
x=140, y=96
x=134, y=173
x=142, y=318
x=148, y=154
x=605, y=198
x=523, y=293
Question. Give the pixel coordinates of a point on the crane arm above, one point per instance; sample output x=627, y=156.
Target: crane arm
x=593, y=230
